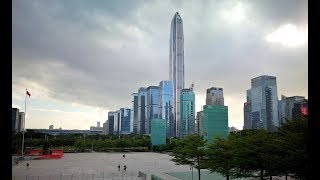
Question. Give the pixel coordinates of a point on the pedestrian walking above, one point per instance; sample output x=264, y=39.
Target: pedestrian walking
x=27, y=165
x=119, y=167
x=125, y=168
x=124, y=156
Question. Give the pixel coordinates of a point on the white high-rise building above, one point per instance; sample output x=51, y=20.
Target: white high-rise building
x=176, y=70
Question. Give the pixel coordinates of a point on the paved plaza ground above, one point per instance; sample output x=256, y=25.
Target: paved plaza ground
x=98, y=166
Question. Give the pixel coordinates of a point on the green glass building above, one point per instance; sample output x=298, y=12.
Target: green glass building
x=187, y=121
x=158, y=132
x=215, y=122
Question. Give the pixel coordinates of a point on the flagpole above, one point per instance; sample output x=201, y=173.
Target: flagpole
x=25, y=115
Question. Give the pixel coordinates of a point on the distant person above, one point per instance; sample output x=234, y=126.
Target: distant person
x=124, y=156
x=119, y=167
x=125, y=168
x=27, y=165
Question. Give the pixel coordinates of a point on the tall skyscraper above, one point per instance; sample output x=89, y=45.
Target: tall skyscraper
x=215, y=96
x=142, y=93
x=187, y=123
x=151, y=106
x=166, y=107
x=134, y=103
x=98, y=124
x=176, y=69
x=264, y=103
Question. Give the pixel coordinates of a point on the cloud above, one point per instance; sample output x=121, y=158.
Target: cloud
x=97, y=53
x=288, y=35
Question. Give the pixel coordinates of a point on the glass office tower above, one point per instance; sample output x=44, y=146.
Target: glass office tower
x=264, y=103
x=151, y=106
x=111, y=121
x=158, y=132
x=125, y=114
x=176, y=61
x=215, y=122
x=134, y=102
x=166, y=106
x=187, y=123
x=142, y=93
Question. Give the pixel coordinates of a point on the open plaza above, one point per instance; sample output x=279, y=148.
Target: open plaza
x=104, y=166
x=101, y=166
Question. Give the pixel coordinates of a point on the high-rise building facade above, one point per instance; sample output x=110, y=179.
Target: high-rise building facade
x=200, y=123
x=247, y=115
x=134, y=104
x=15, y=119
x=124, y=126
x=111, y=119
x=151, y=106
x=215, y=122
x=111, y=115
x=187, y=122
x=289, y=107
x=264, y=103
x=215, y=96
x=105, y=127
x=176, y=61
x=166, y=107
x=21, y=121
x=247, y=112
x=142, y=93
x=158, y=132
x=117, y=123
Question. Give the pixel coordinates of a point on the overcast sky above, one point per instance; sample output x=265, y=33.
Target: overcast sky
x=80, y=59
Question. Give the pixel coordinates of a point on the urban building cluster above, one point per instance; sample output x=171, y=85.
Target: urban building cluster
x=168, y=109
x=263, y=110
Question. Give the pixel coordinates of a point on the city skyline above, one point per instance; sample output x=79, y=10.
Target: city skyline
x=80, y=60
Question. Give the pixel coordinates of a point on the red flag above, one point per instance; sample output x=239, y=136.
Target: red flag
x=28, y=93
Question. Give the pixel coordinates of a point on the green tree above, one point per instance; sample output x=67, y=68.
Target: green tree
x=190, y=151
x=251, y=153
x=220, y=157
x=292, y=138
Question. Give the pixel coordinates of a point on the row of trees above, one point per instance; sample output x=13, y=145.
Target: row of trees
x=80, y=142
x=249, y=153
